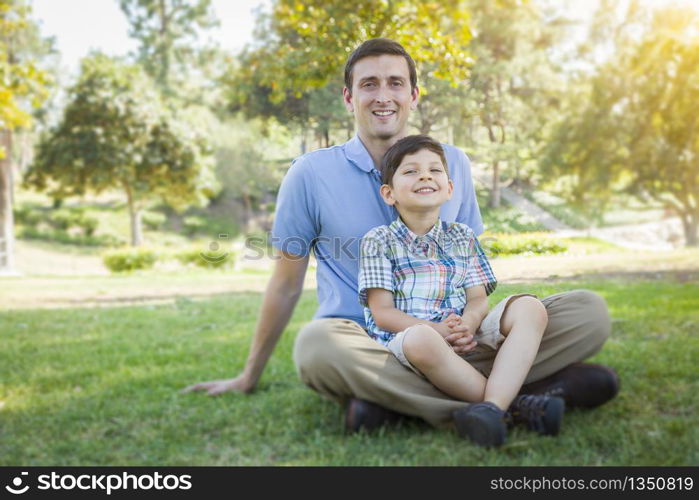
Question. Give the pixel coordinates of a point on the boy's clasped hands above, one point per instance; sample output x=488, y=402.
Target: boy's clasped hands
x=458, y=331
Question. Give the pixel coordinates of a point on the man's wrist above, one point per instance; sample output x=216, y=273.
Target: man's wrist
x=247, y=380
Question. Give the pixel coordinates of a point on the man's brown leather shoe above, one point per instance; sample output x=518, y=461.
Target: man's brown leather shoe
x=581, y=385
x=363, y=415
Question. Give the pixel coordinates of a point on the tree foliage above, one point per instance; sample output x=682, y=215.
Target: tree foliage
x=484, y=68
x=167, y=31
x=584, y=153
x=514, y=83
x=635, y=126
x=21, y=80
x=662, y=88
x=307, y=43
x=115, y=133
x=247, y=161
x=23, y=85
x=302, y=46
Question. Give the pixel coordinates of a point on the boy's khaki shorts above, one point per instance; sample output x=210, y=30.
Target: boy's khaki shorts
x=488, y=336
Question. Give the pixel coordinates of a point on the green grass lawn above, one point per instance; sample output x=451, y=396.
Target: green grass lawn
x=94, y=386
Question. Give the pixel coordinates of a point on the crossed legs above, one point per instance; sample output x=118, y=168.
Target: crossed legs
x=522, y=324
x=336, y=358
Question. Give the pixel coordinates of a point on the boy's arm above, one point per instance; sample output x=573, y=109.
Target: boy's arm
x=480, y=282
x=476, y=308
x=390, y=319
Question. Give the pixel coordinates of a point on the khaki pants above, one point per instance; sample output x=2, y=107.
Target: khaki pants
x=336, y=358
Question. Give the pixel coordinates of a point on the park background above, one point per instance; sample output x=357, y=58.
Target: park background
x=138, y=185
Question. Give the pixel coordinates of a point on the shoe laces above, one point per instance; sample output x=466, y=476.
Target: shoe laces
x=529, y=408
x=556, y=391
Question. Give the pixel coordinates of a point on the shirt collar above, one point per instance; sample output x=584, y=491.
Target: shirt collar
x=408, y=238
x=356, y=153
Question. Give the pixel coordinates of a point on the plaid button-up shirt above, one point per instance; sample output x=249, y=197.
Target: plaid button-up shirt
x=427, y=274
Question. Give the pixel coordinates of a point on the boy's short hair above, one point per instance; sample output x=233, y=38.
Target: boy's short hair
x=379, y=47
x=407, y=146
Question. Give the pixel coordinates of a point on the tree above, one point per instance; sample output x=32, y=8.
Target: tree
x=245, y=94
x=246, y=162
x=22, y=85
x=662, y=85
x=301, y=47
x=167, y=31
x=635, y=127
x=583, y=155
x=115, y=133
x=513, y=81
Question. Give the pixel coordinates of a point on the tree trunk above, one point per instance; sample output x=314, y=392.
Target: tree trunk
x=163, y=77
x=495, y=190
x=135, y=216
x=690, y=229
x=450, y=133
x=495, y=193
x=425, y=122
x=7, y=234
x=247, y=212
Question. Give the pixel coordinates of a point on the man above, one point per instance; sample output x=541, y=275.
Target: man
x=328, y=200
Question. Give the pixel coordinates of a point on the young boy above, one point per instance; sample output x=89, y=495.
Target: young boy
x=424, y=285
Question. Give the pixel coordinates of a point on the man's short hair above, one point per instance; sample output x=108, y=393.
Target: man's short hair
x=408, y=146
x=379, y=47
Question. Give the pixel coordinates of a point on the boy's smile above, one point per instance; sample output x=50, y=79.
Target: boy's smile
x=420, y=183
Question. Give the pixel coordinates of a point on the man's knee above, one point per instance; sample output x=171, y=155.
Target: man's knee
x=596, y=306
x=592, y=312
x=313, y=343
x=328, y=344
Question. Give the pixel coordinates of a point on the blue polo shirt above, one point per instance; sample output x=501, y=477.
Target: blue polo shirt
x=330, y=198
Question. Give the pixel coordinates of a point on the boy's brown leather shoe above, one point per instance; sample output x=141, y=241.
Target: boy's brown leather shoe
x=363, y=415
x=581, y=385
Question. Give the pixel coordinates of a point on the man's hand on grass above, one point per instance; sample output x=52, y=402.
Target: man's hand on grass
x=216, y=387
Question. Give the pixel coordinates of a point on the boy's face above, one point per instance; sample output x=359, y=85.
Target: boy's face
x=381, y=99
x=420, y=183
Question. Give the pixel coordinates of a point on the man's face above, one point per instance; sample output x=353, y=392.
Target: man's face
x=381, y=98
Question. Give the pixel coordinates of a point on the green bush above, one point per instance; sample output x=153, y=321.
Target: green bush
x=499, y=244
x=559, y=208
x=87, y=224
x=63, y=219
x=129, y=259
x=505, y=219
x=55, y=224
x=194, y=224
x=60, y=236
x=28, y=216
x=212, y=257
x=153, y=220
x=508, y=220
